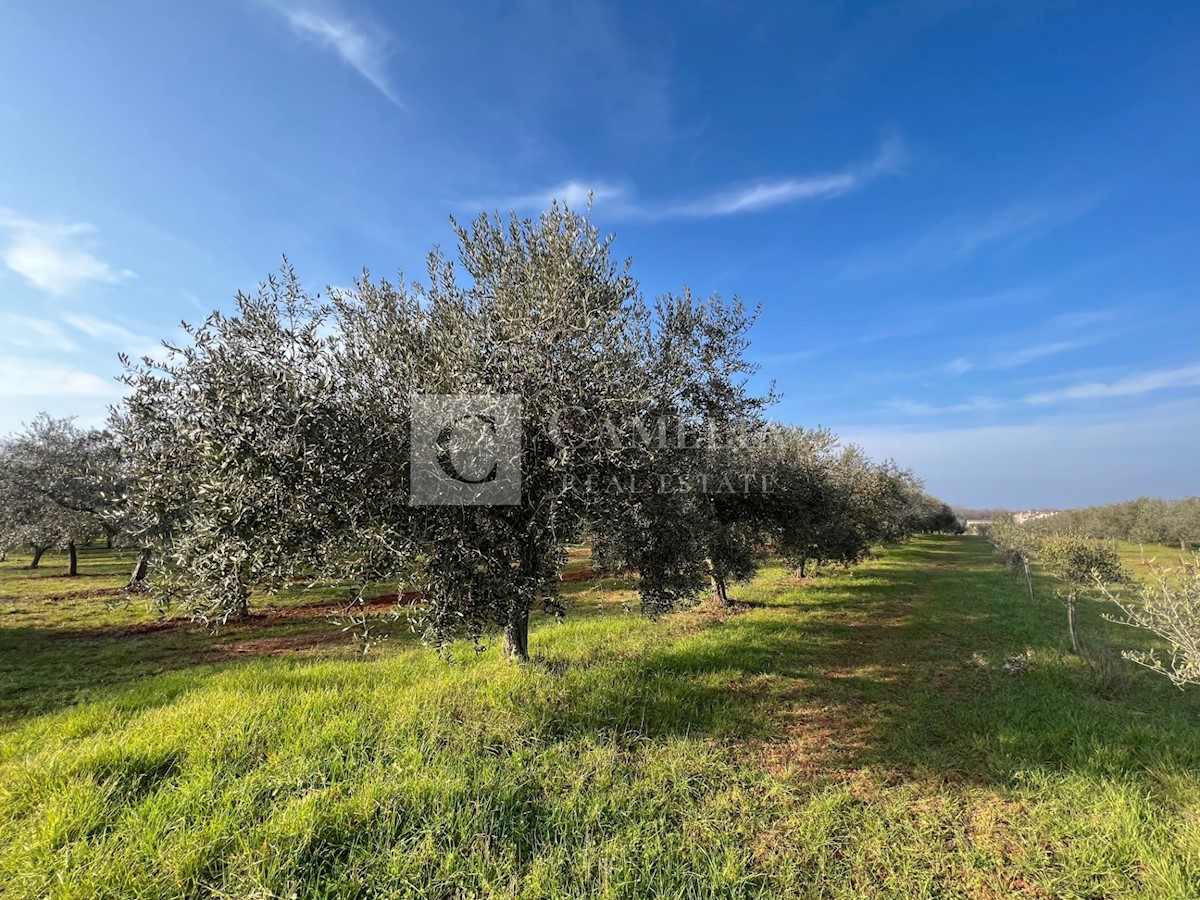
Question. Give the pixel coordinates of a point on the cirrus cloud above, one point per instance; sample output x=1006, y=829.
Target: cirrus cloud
x=1130, y=386
x=365, y=49
x=622, y=201
x=41, y=378
x=56, y=258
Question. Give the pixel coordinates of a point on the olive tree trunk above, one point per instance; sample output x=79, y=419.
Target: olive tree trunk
x=241, y=609
x=516, y=636
x=515, y=645
x=722, y=590
x=1071, y=625
x=137, y=579
x=239, y=603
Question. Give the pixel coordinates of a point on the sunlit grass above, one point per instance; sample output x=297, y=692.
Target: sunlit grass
x=1144, y=561
x=839, y=736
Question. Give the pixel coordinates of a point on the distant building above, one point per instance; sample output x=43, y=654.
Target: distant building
x=1030, y=514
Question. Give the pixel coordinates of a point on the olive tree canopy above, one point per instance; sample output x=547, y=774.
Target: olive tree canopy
x=279, y=442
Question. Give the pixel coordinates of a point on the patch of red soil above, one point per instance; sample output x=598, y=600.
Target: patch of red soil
x=378, y=603
x=137, y=628
x=86, y=594
x=578, y=576
x=77, y=576
x=317, y=609
x=275, y=646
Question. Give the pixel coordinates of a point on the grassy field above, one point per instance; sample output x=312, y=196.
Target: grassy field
x=848, y=736
x=1141, y=558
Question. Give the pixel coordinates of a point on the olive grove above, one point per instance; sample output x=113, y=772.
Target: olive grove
x=60, y=485
x=296, y=440
x=1146, y=520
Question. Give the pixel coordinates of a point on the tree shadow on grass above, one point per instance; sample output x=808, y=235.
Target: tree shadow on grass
x=929, y=697
x=896, y=669
x=899, y=671
x=43, y=670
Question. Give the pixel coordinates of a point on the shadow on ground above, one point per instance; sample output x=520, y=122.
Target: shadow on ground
x=894, y=668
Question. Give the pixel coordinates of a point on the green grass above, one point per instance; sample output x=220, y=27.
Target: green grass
x=850, y=736
x=1141, y=559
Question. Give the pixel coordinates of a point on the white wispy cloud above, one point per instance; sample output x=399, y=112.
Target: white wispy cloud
x=54, y=257
x=1032, y=351
x=789, y=357
x=574, y=194
x=132, y=342
x=364, y=48
x=1010, y=359
x=1133, y=385
x=1081, y=318
x=766, y=194
x=1012, y=298
x=972, y=405
x=960, y=239
x=39, y=378
x=107, y=331
x=1021, y=356
x=622, y=201
x=31, y=333
x=1129, y=386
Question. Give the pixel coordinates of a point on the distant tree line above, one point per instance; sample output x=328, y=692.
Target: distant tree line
x=1146, y=520
x=275, y=445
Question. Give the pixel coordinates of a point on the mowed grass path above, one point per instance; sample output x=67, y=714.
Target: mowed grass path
x=849, y=736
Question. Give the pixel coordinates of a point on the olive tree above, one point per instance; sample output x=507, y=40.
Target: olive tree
x=870, y=505
x=28, y=519
x=1081, y=564
x=929, y=515
x=1144, y=520
x=231, y=442
x=1182, y=523
x=697, y=512
x=59, y=486
x=545, y=316
x=1016, y=545
x=834, y=503
x=807, y=507
x=898, y=504
x=727, y=467
x=289, y=439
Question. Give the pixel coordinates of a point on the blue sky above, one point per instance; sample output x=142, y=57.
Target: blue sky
x=972, y=226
